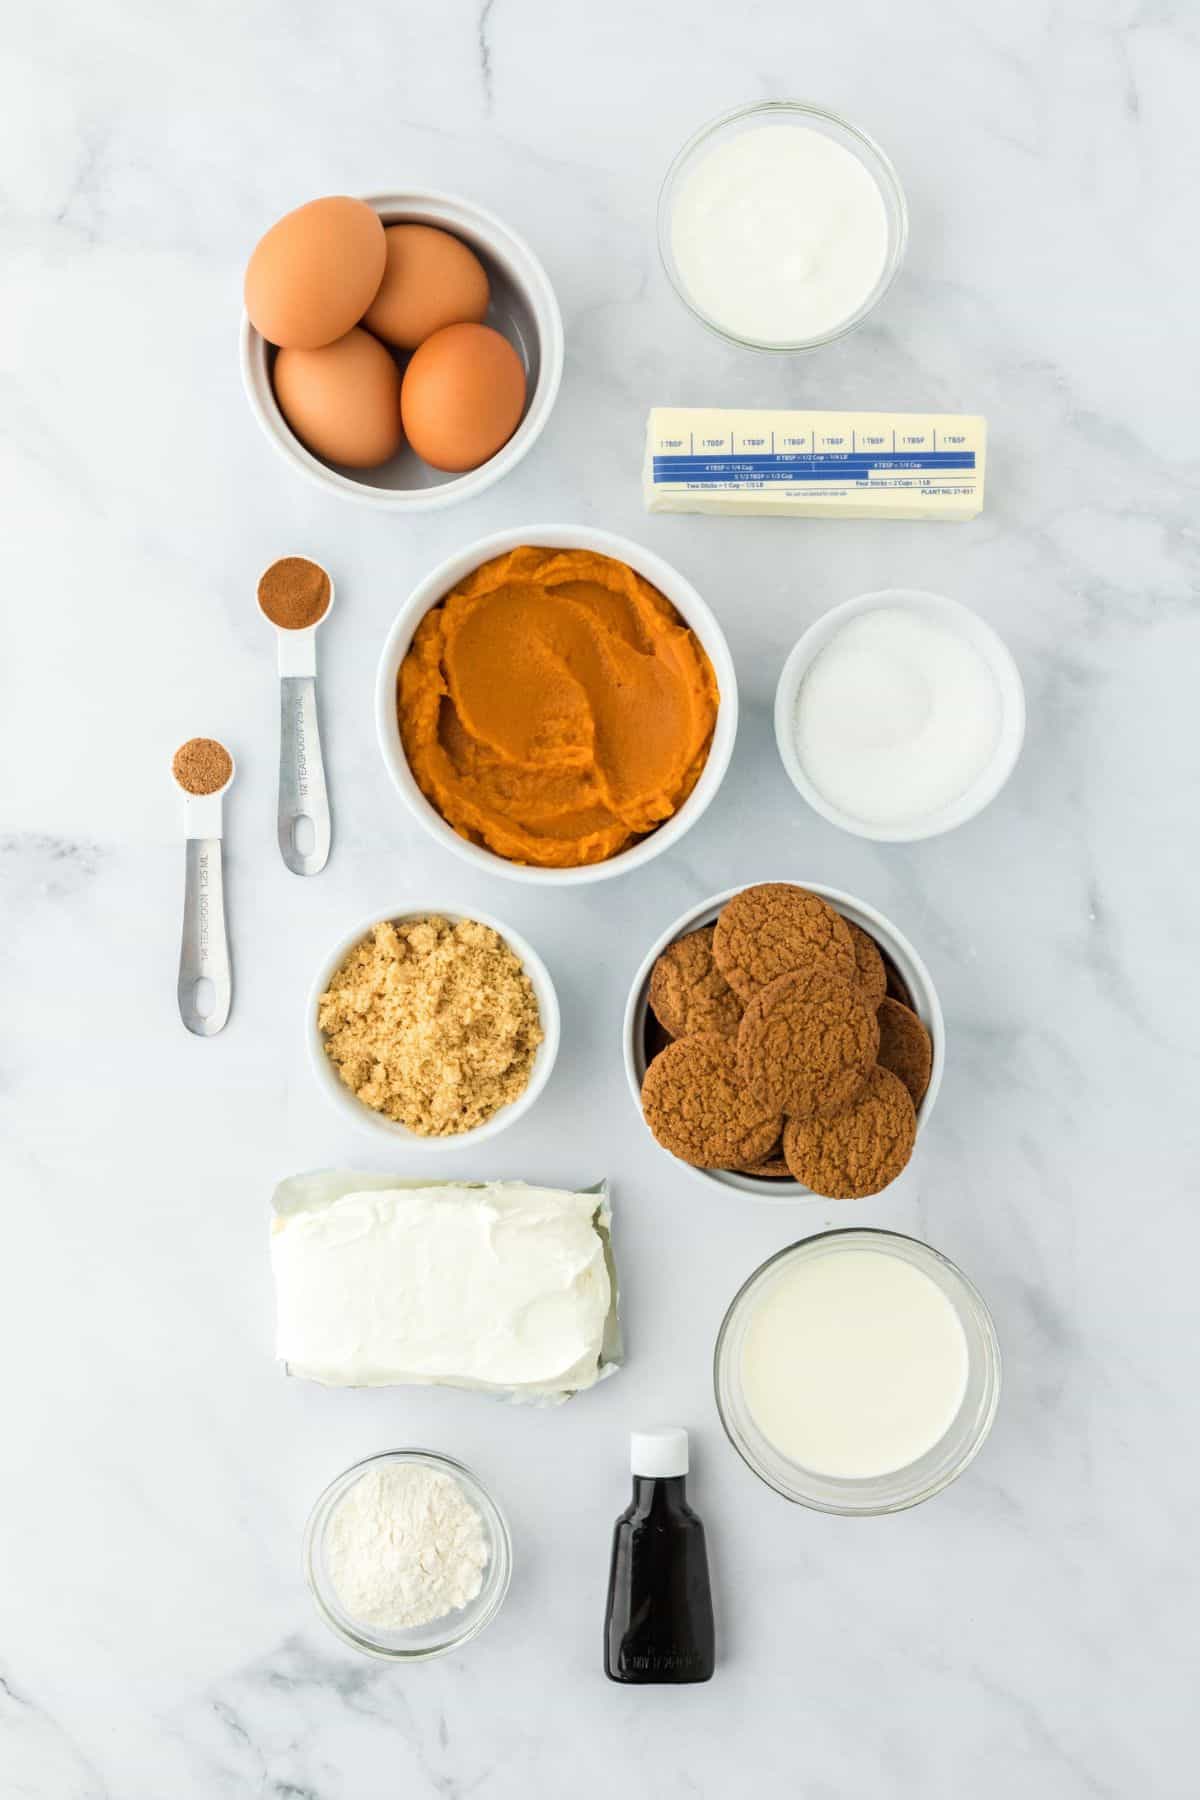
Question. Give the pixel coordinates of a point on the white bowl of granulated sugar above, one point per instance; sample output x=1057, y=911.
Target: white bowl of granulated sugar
x=447, y=1565
x=899, y=715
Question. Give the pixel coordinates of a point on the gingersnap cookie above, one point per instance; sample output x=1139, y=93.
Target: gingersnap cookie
x=872, y=975
x=905, y=1047
x=698, y=1110
x=688, y=993
x=858, y=1151
x=807, y=1043
x=655, y=1039
x=897, y=987
x=773, y=1167
x=766, y=931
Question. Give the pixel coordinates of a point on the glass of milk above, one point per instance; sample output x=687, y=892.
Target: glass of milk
x=857, y=1372
x=781, y=225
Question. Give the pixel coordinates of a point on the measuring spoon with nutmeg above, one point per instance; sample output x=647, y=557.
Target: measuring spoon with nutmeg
x=296, y=595
x=203, y=769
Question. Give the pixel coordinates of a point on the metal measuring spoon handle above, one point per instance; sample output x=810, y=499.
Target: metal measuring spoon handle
x=204, y=968
x=204, y=950
x=302, y=790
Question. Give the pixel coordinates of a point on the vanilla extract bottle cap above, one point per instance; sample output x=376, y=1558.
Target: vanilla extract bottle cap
x=662, y=1451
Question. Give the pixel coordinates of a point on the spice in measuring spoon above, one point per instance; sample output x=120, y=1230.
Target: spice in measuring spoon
x=296, y=594
x=202, y=766
x=203, y=769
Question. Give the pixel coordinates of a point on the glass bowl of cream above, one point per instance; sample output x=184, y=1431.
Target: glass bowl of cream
x=407, y=1555
x=857, y=1372
x=781, y=226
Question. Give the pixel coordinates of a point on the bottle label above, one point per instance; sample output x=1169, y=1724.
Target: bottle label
x=663, y=1662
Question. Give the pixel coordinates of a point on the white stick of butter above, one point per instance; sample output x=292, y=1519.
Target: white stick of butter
x=814, y=465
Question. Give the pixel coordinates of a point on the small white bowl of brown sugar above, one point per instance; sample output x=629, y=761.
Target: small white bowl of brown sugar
x=433, y=1027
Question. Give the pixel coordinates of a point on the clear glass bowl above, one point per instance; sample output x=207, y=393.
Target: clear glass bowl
x=419, y=1642
x=851, y=138
x=898, y=1488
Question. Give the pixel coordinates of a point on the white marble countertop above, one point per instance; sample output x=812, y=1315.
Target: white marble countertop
x=1032, y=1631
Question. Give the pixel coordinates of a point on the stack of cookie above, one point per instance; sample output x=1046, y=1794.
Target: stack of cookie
x=787, y=1053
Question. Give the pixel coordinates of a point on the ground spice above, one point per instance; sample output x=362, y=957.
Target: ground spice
x=202, y=766
x=294, y=593
x=433, y=1024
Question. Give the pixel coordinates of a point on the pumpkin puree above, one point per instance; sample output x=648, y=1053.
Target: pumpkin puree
x=554, y=707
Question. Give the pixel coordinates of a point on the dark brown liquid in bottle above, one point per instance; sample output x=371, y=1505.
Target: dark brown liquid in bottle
x=659, y=1623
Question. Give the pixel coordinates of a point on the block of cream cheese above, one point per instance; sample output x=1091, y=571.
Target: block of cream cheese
x=499, y=1286
x=814, y=465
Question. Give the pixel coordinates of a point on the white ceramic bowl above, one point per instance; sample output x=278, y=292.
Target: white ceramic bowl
x=968, y=625
x=678, y=591
x=896, y=949
x=356, y=1113
x=523, y=308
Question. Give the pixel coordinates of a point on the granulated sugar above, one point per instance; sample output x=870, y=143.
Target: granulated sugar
x=897, y=717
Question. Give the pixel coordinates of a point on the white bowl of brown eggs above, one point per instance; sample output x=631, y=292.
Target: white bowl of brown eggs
x=404, y=350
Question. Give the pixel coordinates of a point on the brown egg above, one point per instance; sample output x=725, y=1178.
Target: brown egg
x=431, y=279
x=316, y=272
x=463, y=396
x=343, y=400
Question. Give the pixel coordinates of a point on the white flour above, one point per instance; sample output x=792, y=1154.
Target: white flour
x=405, y=1546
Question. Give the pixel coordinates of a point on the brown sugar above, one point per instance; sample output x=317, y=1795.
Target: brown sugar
x=294, y=593
x=431, y=1023
x=202, y=766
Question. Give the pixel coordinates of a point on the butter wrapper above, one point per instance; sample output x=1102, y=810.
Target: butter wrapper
x=757, y=462
x=335, y=1285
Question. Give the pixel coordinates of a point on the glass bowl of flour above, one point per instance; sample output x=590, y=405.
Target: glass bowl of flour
x=407, y=1555
x=781, y=226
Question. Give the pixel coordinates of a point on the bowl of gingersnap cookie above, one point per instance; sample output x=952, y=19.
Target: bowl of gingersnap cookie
x=786, y=1041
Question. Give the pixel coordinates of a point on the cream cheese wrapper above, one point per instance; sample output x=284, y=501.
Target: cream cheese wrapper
x=500, y=1286
x=757, y=462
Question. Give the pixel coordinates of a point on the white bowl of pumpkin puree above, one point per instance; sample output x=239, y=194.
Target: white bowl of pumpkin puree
x=556, y=704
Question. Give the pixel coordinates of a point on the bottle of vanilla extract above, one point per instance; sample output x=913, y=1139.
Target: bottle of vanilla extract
x=659, y=1622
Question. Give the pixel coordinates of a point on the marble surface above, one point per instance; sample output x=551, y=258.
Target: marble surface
x=1032, y=1630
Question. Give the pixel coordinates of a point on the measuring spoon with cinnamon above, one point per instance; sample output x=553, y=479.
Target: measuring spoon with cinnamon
x=203, y=769
x=296, y=595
